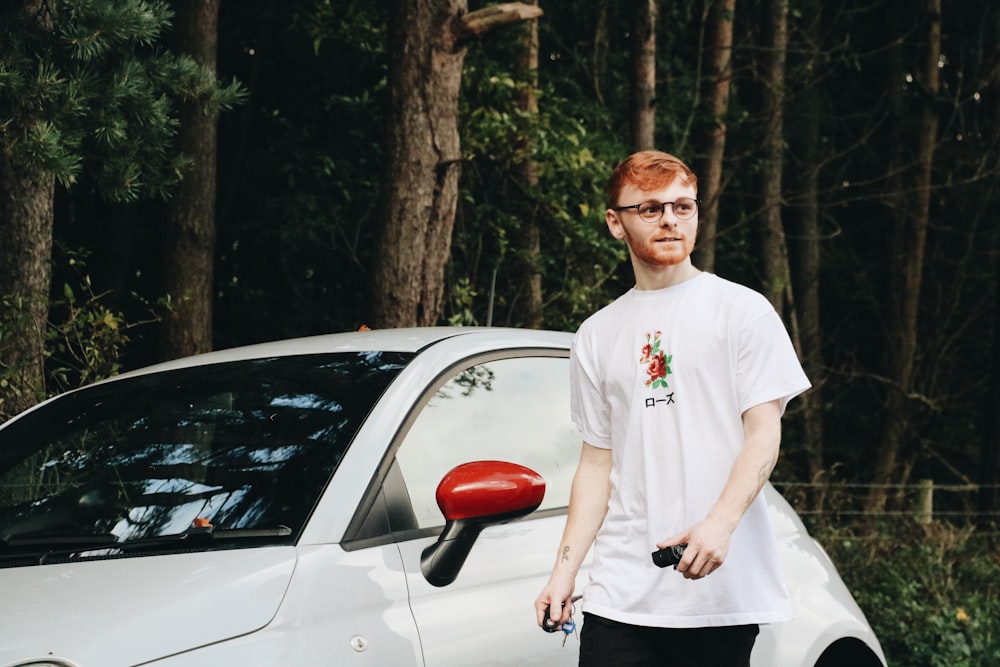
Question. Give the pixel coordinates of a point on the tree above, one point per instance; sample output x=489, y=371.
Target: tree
x=83, y=98
x=642, y=119
x=715, y=98
x=910, y=240
x=90, y=105
x=188, y=235
x=777, y=275
x=990, y=455
x=806, y=143
x=424, y=156
x=529, y=275
x=26, y=197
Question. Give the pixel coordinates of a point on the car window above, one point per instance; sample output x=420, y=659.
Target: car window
x=240, y=449
x=513, y=410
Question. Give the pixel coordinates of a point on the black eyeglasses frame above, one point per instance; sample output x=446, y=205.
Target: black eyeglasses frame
x=697, y=205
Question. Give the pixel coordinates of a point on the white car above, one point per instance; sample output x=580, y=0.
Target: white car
x=281, y=504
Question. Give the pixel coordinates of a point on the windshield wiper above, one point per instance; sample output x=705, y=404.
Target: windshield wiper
x=47, y=547
x=202, y=535
x=11, y=542
x=39, y=546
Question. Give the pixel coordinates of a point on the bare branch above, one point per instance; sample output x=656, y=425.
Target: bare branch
x=483, y=20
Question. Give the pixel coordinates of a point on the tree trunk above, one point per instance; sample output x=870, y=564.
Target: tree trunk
x=777, y=274
x=643, y=82
x=807, y=275
x=424, y=157
x=602, y=45
x=26, y=218
x=424, y=161
x=188, y=249
x=528, y=276
x=715, y=93
x=895, y=201
x=27, y=195
x=911, y=224
x=990, y=455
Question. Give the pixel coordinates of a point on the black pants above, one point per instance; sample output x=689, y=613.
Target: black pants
x=607, y=643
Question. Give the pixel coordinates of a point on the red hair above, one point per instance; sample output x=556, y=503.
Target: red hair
x=648, y=171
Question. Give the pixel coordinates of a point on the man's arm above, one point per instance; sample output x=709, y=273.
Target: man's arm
x=588, y=504
x=708, y=541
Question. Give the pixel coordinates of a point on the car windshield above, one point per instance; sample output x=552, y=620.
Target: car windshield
x=239, y=450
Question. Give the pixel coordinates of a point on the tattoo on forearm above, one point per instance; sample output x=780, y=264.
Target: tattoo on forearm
x=565, y=553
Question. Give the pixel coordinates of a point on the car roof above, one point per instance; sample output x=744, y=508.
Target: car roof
x=412, y=339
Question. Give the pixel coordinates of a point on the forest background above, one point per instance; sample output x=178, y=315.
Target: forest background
x=197, y=174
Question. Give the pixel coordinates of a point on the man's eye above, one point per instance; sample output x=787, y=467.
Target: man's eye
x=683, y=207
x=650, y=209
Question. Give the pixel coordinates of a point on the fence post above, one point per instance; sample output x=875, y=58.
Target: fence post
x=924, y=509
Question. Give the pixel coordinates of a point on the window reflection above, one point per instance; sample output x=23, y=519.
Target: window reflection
x=513, y=410
x=244, y=445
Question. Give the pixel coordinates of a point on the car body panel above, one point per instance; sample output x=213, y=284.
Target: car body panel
x=342, y=608
x=488, y=610
x=826, y=604
x=156, y=605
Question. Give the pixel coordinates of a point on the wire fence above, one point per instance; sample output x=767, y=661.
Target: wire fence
x=924, y=500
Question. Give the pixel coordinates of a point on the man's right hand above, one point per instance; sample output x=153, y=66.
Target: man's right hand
x=556, y=599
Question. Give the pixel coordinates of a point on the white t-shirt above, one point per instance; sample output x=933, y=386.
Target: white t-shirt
x=662, y=378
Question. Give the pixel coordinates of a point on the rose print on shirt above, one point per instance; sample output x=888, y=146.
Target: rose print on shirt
x=657, y=363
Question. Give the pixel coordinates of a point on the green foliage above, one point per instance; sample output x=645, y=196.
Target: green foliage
x=578, y=256
x=362, y=26
x=84, y=341
x=85, y=338
x=929, y=591
x=87, y=345
x=85, y=89
x=96, y=28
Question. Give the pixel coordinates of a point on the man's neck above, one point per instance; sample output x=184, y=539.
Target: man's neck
x=654, y=278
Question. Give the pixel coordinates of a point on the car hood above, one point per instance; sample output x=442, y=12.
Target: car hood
x=132, y=610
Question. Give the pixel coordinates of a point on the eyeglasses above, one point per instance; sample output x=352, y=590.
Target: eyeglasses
x=651, y=211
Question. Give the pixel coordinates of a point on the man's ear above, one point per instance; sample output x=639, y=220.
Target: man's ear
x=614, y=224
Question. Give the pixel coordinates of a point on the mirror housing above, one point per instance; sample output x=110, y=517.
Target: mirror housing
x=473, y=496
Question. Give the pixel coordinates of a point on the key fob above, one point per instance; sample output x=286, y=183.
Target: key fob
x=547, y=623
x=669, y=555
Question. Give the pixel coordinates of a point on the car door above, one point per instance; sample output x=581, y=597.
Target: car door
x=511, y=409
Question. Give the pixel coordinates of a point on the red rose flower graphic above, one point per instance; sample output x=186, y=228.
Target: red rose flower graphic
x=658, y=367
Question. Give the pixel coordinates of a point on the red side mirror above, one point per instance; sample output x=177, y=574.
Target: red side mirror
x=489, y=489
x=471, y=497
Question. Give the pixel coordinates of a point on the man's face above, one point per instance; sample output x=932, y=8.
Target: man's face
x=668, y=242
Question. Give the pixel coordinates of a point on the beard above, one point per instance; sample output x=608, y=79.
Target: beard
x=660, y=254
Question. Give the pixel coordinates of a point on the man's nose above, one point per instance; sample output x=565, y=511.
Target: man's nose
x=668, y=219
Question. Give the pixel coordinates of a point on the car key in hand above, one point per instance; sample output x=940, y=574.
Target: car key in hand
x=568, y=628
x=669, y=555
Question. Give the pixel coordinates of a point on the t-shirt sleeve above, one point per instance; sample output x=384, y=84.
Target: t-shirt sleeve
x=588, y=407
x=767, y=366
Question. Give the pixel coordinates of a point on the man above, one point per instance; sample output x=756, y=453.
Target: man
x=678, y=388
